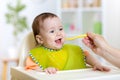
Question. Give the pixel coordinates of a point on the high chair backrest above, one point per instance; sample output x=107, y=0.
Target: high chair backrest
x=27, y=44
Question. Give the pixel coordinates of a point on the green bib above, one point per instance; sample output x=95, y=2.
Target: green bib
x=68, y=58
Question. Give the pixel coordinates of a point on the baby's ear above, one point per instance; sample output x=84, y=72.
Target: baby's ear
x=39, y=39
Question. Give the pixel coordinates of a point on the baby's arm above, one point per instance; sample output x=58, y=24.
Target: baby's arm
x=95, y=63
x=31, y=65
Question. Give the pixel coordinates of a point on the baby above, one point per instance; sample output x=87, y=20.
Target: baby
x=51, y=54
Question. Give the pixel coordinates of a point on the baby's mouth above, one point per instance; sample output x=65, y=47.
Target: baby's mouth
x=58, y=41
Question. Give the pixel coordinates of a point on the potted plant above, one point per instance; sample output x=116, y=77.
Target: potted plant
x=14, y=18
x=18, y=22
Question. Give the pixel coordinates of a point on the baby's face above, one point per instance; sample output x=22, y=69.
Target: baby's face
x=52, y=33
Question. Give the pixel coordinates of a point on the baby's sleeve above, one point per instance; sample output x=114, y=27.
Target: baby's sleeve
x=86, y=53
x=30, y=64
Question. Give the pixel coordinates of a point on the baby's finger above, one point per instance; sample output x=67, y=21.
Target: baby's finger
x=106, y=69
x=94, y=68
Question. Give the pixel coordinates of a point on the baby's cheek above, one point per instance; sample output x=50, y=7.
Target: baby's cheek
x=64, y=35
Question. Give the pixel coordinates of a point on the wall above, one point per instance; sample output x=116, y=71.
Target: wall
x=112, y=22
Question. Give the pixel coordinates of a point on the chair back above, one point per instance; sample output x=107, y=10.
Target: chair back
x=27, y=44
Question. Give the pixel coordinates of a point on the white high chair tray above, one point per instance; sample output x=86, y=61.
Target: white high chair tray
x=18, y=73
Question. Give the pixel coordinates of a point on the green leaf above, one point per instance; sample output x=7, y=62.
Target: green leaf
x=11, y=8
x=13, y=17
x=9, y=17
x=20, y=8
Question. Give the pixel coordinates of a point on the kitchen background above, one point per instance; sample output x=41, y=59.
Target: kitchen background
x=78, y=16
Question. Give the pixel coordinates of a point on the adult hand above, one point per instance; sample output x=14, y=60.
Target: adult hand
x=99, y=46
x=96, y=42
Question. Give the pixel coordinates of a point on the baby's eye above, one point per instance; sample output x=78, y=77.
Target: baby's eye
x=52, y=31
x=61, y=29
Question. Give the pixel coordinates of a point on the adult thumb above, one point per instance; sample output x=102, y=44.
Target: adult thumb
x=91, y=35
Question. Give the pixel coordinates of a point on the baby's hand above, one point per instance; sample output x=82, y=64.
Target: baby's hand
x=101, y=68
x=51, y=70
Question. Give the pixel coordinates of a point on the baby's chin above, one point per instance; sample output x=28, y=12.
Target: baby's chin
x=58, y=47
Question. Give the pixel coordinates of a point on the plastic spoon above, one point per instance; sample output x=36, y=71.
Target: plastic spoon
x=76, y=37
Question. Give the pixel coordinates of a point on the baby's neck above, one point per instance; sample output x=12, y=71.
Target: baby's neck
x=50, y=49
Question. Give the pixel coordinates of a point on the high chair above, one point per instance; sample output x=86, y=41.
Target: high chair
x=19, y=73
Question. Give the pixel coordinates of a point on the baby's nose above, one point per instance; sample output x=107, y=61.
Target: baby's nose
x=58, y=33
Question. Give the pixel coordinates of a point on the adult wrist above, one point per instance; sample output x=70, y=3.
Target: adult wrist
x=105, y=50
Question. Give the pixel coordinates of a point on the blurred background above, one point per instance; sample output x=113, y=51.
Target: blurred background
x=78, y=17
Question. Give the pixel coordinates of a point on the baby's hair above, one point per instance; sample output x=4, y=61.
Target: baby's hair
x=38, y=22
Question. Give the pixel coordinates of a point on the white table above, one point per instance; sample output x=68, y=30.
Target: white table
x=18, y=73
